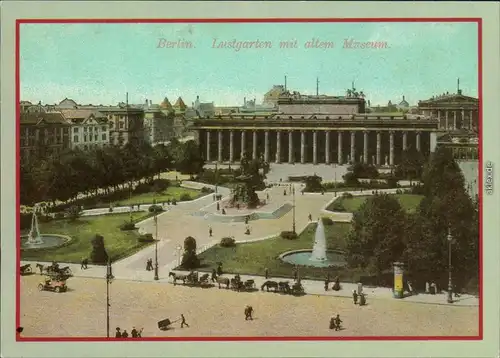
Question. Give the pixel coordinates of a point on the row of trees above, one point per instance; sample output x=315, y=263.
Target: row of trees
x=63, y=176
x=384, y=233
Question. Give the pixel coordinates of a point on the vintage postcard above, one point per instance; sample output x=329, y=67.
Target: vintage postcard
x=251, y=178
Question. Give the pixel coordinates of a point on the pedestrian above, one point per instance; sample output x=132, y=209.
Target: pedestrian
x=332, y=323
x=210, y=231
x=247, y=231
x=326, y=284
x=147, y=265
x=284, y=192
x=267, y=196
x=139, y=334
x=266, y=273
x=355, y=296
x=248, y=313
x=246, y=220
x=134, y=333
x=82, y=267
x=295, y=273
x=118, y=334
x=218, y=206
x=183, y=322
x=214, y=275
x=338, y=321
x=310, y=217
x=219, y=269
x=124, y=334
x=362, y=299
x=213, y=196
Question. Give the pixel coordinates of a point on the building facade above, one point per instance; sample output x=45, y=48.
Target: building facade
x=42, y=134
x=464, y=145
x=89, y=128
x=316, y=129
x=158, y=125
x=126, y=124
x=453, y=111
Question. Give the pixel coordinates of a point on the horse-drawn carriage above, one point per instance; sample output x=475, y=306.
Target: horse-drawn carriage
x=295, y=289
x=239, y=285
x=26, y=270
x=54, y=269
x=192, y=278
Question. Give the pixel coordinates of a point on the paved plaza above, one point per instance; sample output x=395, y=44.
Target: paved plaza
x=219, y=312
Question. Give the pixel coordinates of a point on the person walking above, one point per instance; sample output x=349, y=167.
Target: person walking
x=183, y=321
x=210, y=231
x=295, y=273
x=266, y=273
x=332, y=323
x=118, y=334
x=84, y=264
x=310, y=217
x=134, y=333
x=326, y=284
x=355, y=297
x=248, y=313
x=214, y=275
x=124, y=334
x=338, y=321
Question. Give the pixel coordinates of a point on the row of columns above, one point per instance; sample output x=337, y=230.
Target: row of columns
x=448, y=119
x=277, y=158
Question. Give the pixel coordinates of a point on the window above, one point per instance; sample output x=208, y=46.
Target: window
x=95, y=138
x=85, y=138
x=85, y=129
x=104, y=137
x=121, y=125
x=75, y=130
x=75, y=139
x=103, y=128
x=111, y=124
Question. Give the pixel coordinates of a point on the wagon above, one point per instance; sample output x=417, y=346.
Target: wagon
x=164, y=324
x=53, y=285
x=25, y=269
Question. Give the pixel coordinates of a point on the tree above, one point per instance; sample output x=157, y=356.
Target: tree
x=189, y=258
x=313, y=184
x=376, y=238
x=411, y=165
x=98, y=256
x=190, y=161
x=442, y=174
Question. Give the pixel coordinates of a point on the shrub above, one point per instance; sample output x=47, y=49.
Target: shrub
x=25, y=221
x=350, y=179
x=227, y=242
x=43, y=218
x=74, y=212
x=98, y=255
x=347, y=195
x=160, y=185
x=142, y=188
x=392, y=182
x=289, y=235
x=146, y=238
x=127, y=226
x=206, y=190
x=174, y=202
x=185, y=197
x=313, y=184
x=327, y=221
x=155, y=209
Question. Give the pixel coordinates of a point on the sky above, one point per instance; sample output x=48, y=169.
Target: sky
x=100, y=63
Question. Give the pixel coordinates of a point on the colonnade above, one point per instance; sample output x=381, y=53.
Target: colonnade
x=345, y=154
x=451, y=118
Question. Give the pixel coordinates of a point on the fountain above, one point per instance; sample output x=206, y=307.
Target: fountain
x=36, y=240
x=319, y=256
x=34, y=237
x=319, y=247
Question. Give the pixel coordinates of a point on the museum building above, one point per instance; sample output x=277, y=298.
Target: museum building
x=316, y=129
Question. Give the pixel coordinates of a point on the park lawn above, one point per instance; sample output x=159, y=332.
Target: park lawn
x=118, y=243
x=173, y=192
x=409, y=202
x=252, y=258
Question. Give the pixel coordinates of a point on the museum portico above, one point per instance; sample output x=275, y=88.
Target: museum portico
x=339, y=139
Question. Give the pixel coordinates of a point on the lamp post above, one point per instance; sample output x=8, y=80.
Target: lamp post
x=450, y=284
x=216, y=178
x=156, y=278
x=109, y=278
x=293, y=208
x=130, y=200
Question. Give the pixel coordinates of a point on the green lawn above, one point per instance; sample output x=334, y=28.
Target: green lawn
x=118, y=243
x=409, y=202
x=253, y=258
x=173, y=192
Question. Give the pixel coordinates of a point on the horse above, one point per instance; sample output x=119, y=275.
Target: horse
x=284, y=286
x=237, y=284
x=203, y=278
x=40, y=267
x=177, y=276
x=223, y=280
x=66, y=271
x=268, y=285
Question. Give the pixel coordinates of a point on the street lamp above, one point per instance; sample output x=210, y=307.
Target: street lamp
x=109, y=278
x=156, y=246
x=215, y=178
x=293, y=208
x=450, y=284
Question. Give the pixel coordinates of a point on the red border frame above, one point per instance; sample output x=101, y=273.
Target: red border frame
x=19, y=338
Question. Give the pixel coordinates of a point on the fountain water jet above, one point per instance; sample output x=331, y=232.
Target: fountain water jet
x=34, y=237
x=319, y=247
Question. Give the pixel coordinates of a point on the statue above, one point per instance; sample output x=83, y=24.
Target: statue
x=386, y=161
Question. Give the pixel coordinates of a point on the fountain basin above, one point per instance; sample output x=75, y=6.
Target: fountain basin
x=334, y=258
x=47, y=241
